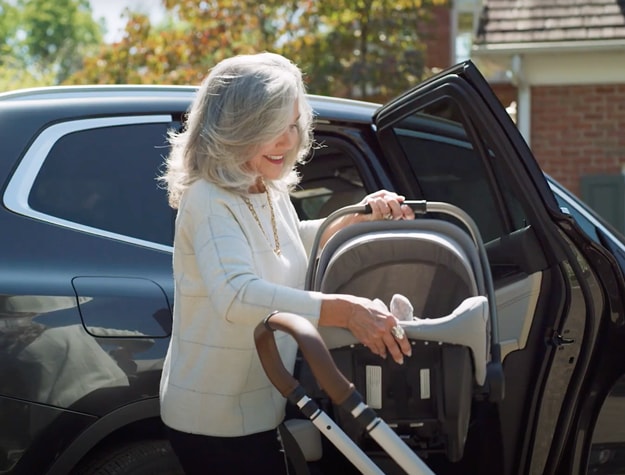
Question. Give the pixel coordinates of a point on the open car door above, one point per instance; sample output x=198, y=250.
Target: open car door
x=558, y=294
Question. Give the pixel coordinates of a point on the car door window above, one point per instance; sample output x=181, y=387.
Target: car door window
x=444, y=158
x=330, y=180
x=106, y=178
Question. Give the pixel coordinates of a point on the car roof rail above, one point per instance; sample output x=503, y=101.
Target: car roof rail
x=69, y=92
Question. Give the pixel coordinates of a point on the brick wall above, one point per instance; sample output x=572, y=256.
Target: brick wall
x=505, y=92
x=578, y=130
x=437, y=37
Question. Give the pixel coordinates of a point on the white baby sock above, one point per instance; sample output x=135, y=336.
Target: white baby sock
x=402, y=308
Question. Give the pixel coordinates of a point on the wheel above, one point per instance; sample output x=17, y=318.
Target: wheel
x=147, y=457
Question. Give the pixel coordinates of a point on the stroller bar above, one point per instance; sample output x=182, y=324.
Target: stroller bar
x=333, y=432
x=338, y=388
x=313, y=349
x=384, y=435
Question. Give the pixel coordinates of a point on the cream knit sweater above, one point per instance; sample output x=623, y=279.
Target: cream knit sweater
x=227, y=279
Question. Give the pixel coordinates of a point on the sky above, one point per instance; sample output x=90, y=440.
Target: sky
x=111, y=11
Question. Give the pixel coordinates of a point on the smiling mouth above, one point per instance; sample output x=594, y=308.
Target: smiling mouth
x=275, y=158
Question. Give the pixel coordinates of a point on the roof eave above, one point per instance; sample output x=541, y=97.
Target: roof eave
x=497, y=49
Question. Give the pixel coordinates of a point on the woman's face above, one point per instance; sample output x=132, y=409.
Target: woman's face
x=269, y=161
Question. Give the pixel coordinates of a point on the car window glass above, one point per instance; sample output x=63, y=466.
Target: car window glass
x=329, y=180
x=106, y=178
x=588, y=227
x=447, y=166
x=607, y=452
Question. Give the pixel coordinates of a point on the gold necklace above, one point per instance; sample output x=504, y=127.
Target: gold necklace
x=274, y=227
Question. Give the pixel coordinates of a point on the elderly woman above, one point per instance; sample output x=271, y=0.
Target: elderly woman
x=241, y=252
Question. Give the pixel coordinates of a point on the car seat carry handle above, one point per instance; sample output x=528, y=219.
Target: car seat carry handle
x=420, y=207
x=337, y=387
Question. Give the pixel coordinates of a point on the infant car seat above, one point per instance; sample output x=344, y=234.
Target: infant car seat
x=441, y=268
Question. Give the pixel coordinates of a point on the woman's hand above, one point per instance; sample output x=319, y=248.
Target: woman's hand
x=371, y=323
x=384, y=205
x=387, y=205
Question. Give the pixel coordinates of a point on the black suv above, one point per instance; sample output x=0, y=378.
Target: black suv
x=86, y=277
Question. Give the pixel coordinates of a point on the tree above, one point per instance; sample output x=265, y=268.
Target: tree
x=8, y=25
x=60, y=32
x=43, y=41
x=370, y=49
x=198, y=35
x=11, y=70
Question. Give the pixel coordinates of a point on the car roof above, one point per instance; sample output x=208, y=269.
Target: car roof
x=326, y=108
x=339, y=109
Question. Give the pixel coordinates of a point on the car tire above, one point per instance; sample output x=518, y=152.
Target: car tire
x=153, y=457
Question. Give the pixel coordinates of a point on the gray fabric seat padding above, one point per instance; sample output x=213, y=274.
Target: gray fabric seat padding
x=433, y=263
x=434, y=274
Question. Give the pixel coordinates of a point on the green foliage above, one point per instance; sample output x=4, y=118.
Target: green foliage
x=8, y=26
x=44, y=40
x=370, y=49
x=198, y=35
x=14, y=76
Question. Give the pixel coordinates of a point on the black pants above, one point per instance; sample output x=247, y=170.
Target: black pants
x=254, y=454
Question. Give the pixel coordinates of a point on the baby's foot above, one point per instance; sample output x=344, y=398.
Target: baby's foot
x=402, y=308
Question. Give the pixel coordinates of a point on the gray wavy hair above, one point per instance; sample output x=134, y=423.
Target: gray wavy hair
x=244, y=102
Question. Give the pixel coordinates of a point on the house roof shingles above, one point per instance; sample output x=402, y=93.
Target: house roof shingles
x=537, y=21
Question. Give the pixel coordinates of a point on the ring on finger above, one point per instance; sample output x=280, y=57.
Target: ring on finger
x=398, y=332
x=388, y=216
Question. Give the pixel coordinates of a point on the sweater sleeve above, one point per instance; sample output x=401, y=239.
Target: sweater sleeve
x=225, y=260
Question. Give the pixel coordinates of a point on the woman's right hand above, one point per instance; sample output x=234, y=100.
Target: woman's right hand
x=370, y=322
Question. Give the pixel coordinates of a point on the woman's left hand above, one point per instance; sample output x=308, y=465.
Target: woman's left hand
x=387, y=205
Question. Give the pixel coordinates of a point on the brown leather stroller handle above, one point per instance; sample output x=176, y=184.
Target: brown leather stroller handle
x=312, y=348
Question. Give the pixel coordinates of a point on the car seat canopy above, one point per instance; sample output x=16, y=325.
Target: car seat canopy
x=431, y=271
